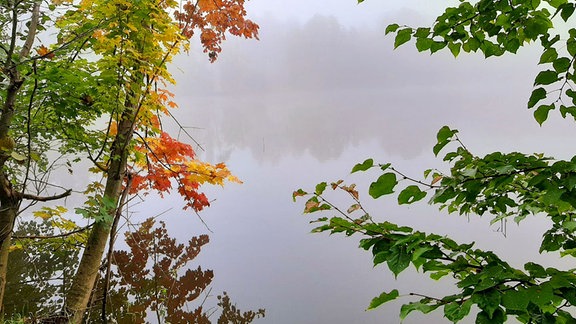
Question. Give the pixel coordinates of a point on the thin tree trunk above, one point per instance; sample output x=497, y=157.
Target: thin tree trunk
x=9, y=201
x=9, y=198
x=85, y=278
x=7, y=217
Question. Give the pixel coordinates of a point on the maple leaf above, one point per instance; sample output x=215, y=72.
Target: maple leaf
x=44, y=52
x=214, y=18
x=208, y=5
x=162, y=163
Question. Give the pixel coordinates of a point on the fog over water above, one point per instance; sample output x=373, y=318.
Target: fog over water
x=322, y=90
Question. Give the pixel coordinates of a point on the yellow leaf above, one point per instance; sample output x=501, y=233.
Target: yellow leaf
x=42, y=214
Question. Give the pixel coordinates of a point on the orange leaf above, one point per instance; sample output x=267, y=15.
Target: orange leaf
x=172, y=104
x=43, y=51
x=208, y=5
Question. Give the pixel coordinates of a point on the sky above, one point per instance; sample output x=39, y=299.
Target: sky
x=321, y=90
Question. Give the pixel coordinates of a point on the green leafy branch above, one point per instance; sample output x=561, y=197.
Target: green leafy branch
x=496, y=27
x=503, y=185
x=483, y=278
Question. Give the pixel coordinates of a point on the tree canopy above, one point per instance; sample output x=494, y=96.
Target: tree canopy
x=88, y=80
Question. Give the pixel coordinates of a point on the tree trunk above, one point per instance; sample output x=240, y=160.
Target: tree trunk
x=7, y=217
x=9, y=198
x=9, y=201
x=85, y=278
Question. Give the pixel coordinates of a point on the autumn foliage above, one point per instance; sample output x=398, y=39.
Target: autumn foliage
x=213, y=18
x=135, y=41
x=159, y=287
x=153, y=277
x=165, y=161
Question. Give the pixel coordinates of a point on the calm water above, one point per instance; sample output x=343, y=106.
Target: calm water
x=305, y=104
x=321, y=91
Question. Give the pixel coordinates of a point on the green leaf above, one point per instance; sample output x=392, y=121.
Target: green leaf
x=548, y=56
x=403, y=36
x=572, y=94
x=561, y=65
x=383, y=298
x=488, y=300
x=541, y=113
x=419, y=251
x=391, y=28
x=497, y=318
x=423, y=44
x=454, y=48
x=455, y=311
x=438, y=147
x=546, y=77
x=569, y=225
x=410, y=195
x=383, y=186
x=571, y=46
x=469, y=172
x=512, y=45
x=363, y=166
x=473, y=44
x=536, y=26
x=417, y=306
x=569, y=294
x=567, y=11
x=35, y=156
x=445, y=133
x=535, y=270
x=398, y=260
x=444, y=136
x=516, y=299
x=439, y=274
x=436, y=46
x=17, y=156
x=320, y=188
x=384, y=167
x=556, y=3
x=541, y=295
x=422, y=32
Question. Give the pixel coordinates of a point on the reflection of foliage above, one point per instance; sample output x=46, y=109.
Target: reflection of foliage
x=231, y=314
x=39, y=272
x=149, y=279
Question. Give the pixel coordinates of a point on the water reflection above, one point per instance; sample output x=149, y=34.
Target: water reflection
x=306, y=103
x=320, y=88
x=153, y=282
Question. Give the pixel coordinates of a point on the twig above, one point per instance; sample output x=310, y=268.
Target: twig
x=43, y=237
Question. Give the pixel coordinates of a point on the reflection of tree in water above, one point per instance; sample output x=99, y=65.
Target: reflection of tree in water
x=39, y=272
x=320, y=87
x=149, y=279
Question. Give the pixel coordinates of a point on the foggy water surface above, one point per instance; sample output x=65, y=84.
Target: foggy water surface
x=304, y=104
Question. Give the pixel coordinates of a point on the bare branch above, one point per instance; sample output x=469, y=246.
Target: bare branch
x=46, y=198
x=43, y=237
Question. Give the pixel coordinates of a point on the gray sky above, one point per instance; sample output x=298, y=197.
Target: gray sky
x=321, y=91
